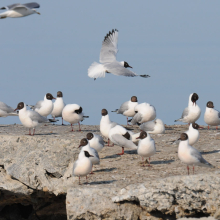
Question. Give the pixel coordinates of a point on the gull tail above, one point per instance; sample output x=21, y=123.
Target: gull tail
x=31, y=106
x=96, y=70
x=53, y=120
x=115, y=110
x=144, y=76
x=85, y=116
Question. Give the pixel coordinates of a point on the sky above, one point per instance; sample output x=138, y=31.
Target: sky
x=177, y=43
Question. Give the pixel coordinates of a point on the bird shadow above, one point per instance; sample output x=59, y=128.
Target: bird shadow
x=102, y=182
x=162, y=162
x=211, y=152
x=131, y=152
x=105, y=170
x=111, y=156
x=91, y=130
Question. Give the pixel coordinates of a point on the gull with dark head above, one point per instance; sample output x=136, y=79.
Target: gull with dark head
x=19, y=10
x=192, y=112
x=108, y=62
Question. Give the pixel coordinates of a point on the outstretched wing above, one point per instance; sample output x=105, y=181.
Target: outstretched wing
x=6, y=108
x=96, y=70
x=117, y=69
x=32, y=5
x=109, y=47
x=10, y=6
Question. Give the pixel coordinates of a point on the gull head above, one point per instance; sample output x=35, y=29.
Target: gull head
x=20, y=106
x=49, y=96
x=210, y=104
x=143, y=135
x=83, y=142
x=59, y=94
x=183, y=137
x=89, y=136
x=104, y=112
x=134, y=99
x=125, y=64
x=194, y=98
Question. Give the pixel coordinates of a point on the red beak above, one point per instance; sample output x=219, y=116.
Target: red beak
x=79, y=146
x=15, y=109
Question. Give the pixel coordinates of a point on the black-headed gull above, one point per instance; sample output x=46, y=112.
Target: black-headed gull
x=73, y=114
x=95, y=141
x=106, y=124
x=146, y=146
x=153, y=127
x=6, y=110
x=83, y=166
x=127, y=108
x=211, y=116
x=193, y=133
x=189, y=155
x=58, y=106
x=29, y=118
x=192, y=112
x=121, y=137
x=108, y=62
x=144, y=112
x=44, y=107
x=20, y=10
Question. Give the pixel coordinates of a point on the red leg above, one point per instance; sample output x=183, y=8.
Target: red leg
x=122, y=151
x=72, y=127
x=208, y=127
x=216, y=127
x=33, y=131
x=62, y=121
x=86, y=180
x=188, y=169
x=149, y=162
x=91, y=173
x=79, y=126
x=193, y=170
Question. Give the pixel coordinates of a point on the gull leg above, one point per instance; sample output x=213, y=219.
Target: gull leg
x=216, y=127
x=91, y=172
x=72, y=127
x=149, y=163
x=188, y=169
x=122, y=151
x=208, y=127
x=33, y=131
x=79, y=126
x=62, y=121
x=79, y=180
x=193, y=170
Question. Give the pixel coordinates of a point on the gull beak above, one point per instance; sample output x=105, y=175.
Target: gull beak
x=91, y=156
x=54, y=98
x=179, y=139
x=79, y=146
x=15, y=109
x=38, y=12
x=138, y=137
x=130, y=67
x=200, y=127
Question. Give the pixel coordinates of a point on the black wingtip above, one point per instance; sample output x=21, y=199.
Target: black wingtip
x=129, y=120
x=144, y=76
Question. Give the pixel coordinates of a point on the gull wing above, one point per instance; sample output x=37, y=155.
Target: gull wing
x=117, y=69
x=185, y=112
x=32, y=5
x=101, y=141
x=96, y=70
x=36, y=117
x=10, y=6
x=123, y=142
x=123, y=108
x=38, y=105
x=6, y=108
x=109, y=47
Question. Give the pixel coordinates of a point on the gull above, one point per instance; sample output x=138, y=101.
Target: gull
x=73, y=114
x=108, y=62
x=146, y=146
x=121, y=137
x=44, y=107
x=20, y=10
x=144, y=112
x=83, y=166
x=58, y=106
x=193, y=133
x=29, y=118
x=211, y=116
x=127, y=108
x=189, y=155
x=84, y=143
x=95, y=141
x=106, y=124
x=192, y=112
x=6, y=110
x=153, y=127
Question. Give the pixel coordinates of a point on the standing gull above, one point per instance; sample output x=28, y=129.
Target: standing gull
x=106, y=124
x=146, y=146
x=95, y=141
x=83, y=166
x=192, y=112
x=20, y=10
x=58, y=106
x=211, y=116
x=127, y=108
x=108, y=61
x=29, y=118
x=6, y=110
x=189, y=155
